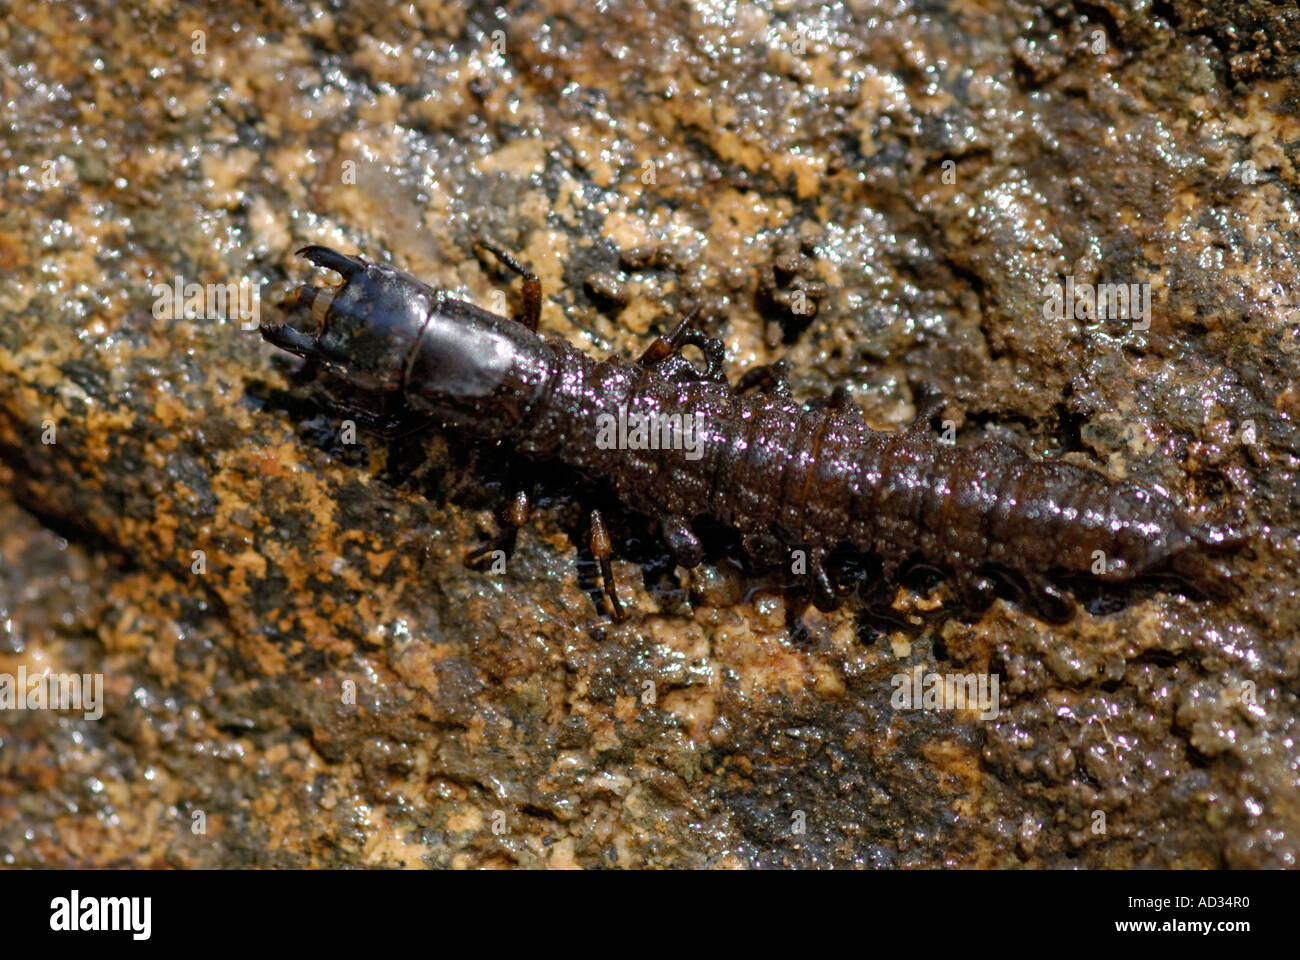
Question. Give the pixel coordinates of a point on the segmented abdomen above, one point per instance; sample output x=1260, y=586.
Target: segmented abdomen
x=787, y=476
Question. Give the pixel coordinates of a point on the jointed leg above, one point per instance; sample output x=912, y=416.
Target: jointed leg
x=602, y=549
x=666, y=344
x=929, y=404
x=823, y=588
x=669, y=344
x=532, y=291
x=515, y=515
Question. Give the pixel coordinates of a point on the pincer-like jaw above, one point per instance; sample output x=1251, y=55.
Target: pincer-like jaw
x=301, y=323
x=304, y=311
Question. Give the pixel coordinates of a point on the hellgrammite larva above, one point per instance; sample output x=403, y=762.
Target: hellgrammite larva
x=784, y=475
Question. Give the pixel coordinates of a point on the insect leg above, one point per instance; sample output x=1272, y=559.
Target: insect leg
x=666, y=344
x=516, y=515
x=928, y=405
x=532, y=291
x=822, y=587
x=669, y=344
x=715, y=356
x=378, y=413
x=601, y=549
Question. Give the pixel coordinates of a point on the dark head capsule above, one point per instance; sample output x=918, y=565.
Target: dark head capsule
x=383, y=331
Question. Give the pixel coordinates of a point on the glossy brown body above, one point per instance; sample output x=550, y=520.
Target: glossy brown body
x=785, y=476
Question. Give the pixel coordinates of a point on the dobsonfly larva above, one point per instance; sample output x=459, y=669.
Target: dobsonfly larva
x=813, y=477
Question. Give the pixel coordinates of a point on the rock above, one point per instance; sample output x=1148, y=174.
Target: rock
x=298, y=667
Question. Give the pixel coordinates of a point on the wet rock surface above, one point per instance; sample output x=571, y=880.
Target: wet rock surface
x=298, y=667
